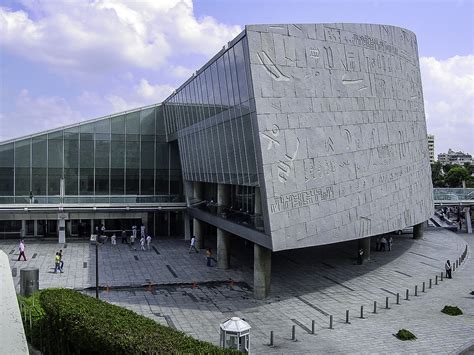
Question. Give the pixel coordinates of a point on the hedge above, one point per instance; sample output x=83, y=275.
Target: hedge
x=452, y=310
x=74, y=323
x=404, y=334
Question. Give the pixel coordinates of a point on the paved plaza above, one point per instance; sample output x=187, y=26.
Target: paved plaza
x=307, y=284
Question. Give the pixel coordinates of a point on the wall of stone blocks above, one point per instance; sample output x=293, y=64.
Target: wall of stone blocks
x=342, y=131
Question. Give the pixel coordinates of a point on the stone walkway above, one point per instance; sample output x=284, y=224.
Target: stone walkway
x=307, y=284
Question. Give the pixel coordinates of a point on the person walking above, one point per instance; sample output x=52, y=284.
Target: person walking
x=57, y=261
x=383, y=243
x=134, y=231
x=61, y=262
x=148, y=242
x=124, y=237
x=21, y=247
x=192, y=245
x=377, y=244
x=447, y=266
x=209, y=257
x=389, y=243
x=142, y=231
x=132, y=242
x=360, y=256
x=142, y=243
x=113, y=239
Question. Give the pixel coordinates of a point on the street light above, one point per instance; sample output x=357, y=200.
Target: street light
x=94, y=240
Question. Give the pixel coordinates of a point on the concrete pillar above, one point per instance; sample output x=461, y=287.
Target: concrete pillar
x=197, y=232
x=23, y=229
x=223, y=249
x=61, y=230
x=188, y=192
x=467, y=216
x=187, y=227
x=35, y=227
x=223, y=194
x=418, y=231
x=364, y=244
x=92, y=226
x=262, y=265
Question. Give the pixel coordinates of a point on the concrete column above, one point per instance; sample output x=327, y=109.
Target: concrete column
x=223, y=249
x=262, y=265
x=188, y=192
x=35, y=227
x=364, y=244
x=467, y=216
x=23, y=228
x=92, y=226
x=223, y=194
x=187, y=226
x=197, y=232
x=418, y=231
x=61, y=230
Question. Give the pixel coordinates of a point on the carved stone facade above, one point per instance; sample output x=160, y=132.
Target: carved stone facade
x=342, y=131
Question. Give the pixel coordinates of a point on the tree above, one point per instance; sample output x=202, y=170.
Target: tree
x=437, y=174
x=456, y=175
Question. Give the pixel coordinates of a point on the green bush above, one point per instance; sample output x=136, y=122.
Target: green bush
x=30, y=307
x=404, y=334
x=451, y=310
x=74, y=323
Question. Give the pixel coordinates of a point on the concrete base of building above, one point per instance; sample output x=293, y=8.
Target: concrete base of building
x=262, y=265
x=418, y=231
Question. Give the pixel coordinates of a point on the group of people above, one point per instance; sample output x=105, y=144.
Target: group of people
x=209, y=257
x=382, y=243
x=144, y=239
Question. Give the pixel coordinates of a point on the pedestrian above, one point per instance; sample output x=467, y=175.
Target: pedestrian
x=209, y=256
x=142, y=243
x=57, y=261
x=102, y=230
x=32, y=198
x=124, y=237
x=22, y=250
x=360, y=256
x=383, y=243
x=97, y=231
x=132, y=242
x=377, y=244
x=61, y=262
x=134, y=231
x=148, y=242
x=390, y=242
x=192, y=245
x=142, y=231
x=113, y=239
x=447, y=266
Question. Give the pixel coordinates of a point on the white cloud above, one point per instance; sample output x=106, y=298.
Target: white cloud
x=181, y=72
x=96, y=36
x=448, y=87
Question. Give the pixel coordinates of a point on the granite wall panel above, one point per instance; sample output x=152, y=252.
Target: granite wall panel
x=342, y=131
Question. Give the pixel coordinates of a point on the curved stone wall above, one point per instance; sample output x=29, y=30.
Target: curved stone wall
x=342, y=131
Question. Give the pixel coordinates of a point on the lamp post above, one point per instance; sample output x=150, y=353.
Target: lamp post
x=94, y=240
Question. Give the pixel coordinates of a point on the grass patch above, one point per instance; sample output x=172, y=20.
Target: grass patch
x=452, y=310
x=404, y=334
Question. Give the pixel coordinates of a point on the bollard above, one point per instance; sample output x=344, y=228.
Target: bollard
x=362, y=312
x=457, y=264
x=312, y=326
x=375, y=307
x=429, y=286
x=293, y=333
x=29, y=281
x=416, y=290
x=398, y=298
x=406, y=297
x=330, y=322
x=347, y=317
x=386, y=303
x=423, y=287
x=271, y=338
x=436, y=280
x=454, y=267
x=441, y=276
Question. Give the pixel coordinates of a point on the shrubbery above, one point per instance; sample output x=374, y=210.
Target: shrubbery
x=73, y=323
x=451, y=310
x=404, y=334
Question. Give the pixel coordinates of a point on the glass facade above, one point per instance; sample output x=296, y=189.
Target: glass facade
x=211, y=116
x=119, y=159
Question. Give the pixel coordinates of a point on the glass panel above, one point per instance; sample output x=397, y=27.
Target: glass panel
x=71, y=163
x=228, y=79
x=39, y=163
x=147, y=168
x=233, y=72
x=86, y=164
x=241, y=73
x=222, y=83
x=55, y=161
x=22, y=168
x=6, y=170
x=102, y=156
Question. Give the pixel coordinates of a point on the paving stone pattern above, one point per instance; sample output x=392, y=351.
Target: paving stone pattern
x=308, y=284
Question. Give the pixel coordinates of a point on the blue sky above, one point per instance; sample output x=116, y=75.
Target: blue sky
x=71, y=60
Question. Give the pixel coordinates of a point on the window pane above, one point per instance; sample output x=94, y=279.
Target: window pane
x=22, y=167
x=55, y=161
x=39, y=163
x=241, y=73
x=71, y=163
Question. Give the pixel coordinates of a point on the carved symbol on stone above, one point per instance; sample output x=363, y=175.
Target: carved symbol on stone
x=329, y=57
x=365, y=225
x=275, y=131
x=271, y=67
x=332, y=34
x=284, y=167
x=348, y=138
x=329, y=143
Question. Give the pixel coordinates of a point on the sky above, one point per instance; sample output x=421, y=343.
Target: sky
x=65, y=61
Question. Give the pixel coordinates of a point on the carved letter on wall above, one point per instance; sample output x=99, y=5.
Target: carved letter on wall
x=271, y=67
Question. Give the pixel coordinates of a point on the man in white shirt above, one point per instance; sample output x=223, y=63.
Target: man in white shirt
x=192, y=245
x=22, y=250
